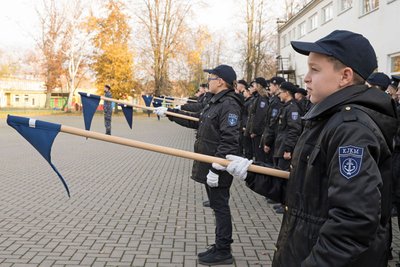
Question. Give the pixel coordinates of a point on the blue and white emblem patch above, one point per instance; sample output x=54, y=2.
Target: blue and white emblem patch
x=274, y=112
x=232, y=119
x=350, y=160
x=262, y=104
x=295, y=115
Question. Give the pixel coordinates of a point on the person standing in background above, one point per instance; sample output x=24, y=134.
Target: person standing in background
x=107, y=109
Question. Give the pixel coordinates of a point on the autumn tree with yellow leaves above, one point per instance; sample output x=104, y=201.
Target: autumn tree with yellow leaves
x=113, y=59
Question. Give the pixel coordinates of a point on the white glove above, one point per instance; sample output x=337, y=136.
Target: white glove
x=177, y=107
x=238, y=166
x=218, y=167
x=160, y=111
x=212, y=179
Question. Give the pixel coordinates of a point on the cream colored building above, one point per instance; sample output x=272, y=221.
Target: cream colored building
x=19, y=93
x=377, y=20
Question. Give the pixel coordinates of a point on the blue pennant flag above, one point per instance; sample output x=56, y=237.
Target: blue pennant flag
x=40, y=135
x=147, y=100
x=90, y=103
x=128, y=112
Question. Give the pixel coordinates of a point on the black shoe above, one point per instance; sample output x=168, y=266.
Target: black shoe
x=280, y=210
x=270, y=201
x=217, y=257
x=206, y=203
x=210, y=249
x=277, y=206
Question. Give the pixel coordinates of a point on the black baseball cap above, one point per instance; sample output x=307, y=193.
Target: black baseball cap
x=225, y=72
x=261, y=81
x=379, y=79
x=288, y=86
x=302, y=91
x=277, y=80
x=352, y=49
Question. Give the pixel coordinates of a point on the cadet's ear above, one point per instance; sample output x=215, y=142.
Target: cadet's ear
x=347, y=77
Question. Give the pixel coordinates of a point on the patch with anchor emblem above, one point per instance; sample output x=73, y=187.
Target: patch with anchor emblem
x=350, y=160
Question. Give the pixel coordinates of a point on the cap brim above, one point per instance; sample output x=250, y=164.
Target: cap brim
x=305, y=48
x=211, y=71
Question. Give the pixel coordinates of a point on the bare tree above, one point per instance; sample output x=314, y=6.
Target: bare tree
x=256, y=38
x=52, y=44
x=78, y=48
x=164, y=25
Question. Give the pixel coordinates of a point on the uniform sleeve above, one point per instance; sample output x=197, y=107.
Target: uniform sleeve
x=353, y=195
x=229, y=124
x=266, y=185
x=259, y=116
x=181, y=121
x=294, y=127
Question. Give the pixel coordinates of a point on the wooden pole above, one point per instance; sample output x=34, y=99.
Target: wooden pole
x=149, y=108
x=168, y=150
x=175, y=98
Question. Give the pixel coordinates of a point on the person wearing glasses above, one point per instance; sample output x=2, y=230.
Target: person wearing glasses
x=218, y=131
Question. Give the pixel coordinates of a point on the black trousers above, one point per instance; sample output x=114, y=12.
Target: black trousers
x=247, y=147
x=219, y=202
x=258, y=151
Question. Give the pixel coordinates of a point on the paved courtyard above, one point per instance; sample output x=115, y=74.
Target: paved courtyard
x=128, y=207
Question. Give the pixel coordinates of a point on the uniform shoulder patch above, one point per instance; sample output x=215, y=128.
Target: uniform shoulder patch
x=262, y=104
x=295, y=115
x=274, y=112
x=350, y=160
x=232, y=119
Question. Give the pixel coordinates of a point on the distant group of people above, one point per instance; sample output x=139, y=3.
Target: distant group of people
x=336, y=139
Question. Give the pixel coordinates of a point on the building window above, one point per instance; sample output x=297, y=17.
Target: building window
x=302, y=29
x=395, y=64
x=16, y=98
x=327, y=13
x=369, y=5
x=293, y=34
x=345, y=4
x=26, y=98
x=33, y=101
x=313, y=21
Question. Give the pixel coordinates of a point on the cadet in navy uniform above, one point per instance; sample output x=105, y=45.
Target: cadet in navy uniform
x=257, y=116
x=302, y=100
x=107, y=109
x=217, y=135
x=288, y=127
x=271, y=118
x=338, y=193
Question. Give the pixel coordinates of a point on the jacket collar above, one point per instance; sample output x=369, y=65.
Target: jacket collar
x=340, y=97
x=218, y=96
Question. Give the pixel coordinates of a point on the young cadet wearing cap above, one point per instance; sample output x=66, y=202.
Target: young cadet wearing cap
x=338, y=193
x=217, y=135
x=270, y=120
x=392, y=88
x=107, y=109
x=247, y=142
x=302, y=100
x=257, y=116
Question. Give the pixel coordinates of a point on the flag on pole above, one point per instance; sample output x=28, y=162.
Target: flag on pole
x=147, y=100
x=40, y=135
x=128, y=113
x=90, y=103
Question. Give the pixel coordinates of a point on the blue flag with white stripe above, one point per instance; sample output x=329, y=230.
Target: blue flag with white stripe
x=40, y=135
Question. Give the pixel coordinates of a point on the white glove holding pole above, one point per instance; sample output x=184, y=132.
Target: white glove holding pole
x=160, y=111
x=238, y=166
x=212, y=179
